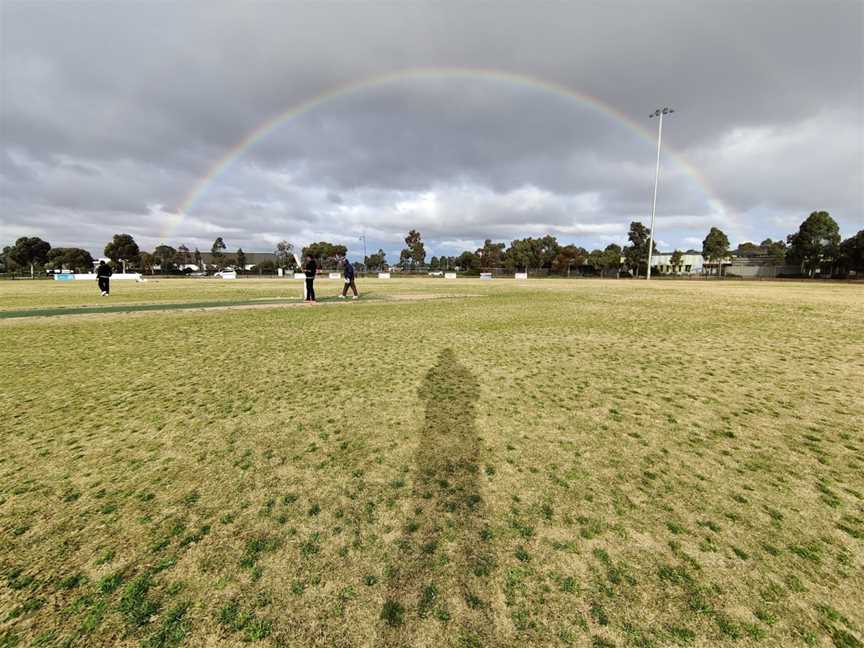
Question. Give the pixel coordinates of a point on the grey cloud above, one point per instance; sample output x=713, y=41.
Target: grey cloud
x=122, y=108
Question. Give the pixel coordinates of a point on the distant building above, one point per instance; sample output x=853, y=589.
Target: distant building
x=661, y=263
x=691, y=263
x=761, y=266
x=717, y=267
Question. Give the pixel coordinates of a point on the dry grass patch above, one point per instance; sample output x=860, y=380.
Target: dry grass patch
x=587, y=463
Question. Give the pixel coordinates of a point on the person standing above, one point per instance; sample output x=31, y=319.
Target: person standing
x=349, y=279
x=310, y=270
x=103, y=275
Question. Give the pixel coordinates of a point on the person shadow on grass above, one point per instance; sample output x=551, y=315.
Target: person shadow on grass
x=442, y=564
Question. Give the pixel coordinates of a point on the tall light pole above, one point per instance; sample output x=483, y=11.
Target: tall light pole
x=660, y=112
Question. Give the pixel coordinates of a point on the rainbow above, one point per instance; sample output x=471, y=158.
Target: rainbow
x=263, y=129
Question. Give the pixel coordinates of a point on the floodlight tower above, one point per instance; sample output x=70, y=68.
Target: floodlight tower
x=660, y=112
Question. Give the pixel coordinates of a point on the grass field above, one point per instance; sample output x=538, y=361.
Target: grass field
x=550, y=463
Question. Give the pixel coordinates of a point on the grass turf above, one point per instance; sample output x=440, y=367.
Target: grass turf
x=23, y=295
x=587, y=463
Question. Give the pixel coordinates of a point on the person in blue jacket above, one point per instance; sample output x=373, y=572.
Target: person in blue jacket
x=349, y=279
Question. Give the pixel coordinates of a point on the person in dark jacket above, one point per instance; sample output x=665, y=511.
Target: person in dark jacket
x=103, y=274
x=349, y=279
x=310, y=270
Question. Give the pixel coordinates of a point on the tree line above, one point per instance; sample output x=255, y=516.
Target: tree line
x=815, y=247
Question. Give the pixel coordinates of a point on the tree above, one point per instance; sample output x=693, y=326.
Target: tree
x=123, y=248
x=715, y=248
x=604, y=260
x=377, y=261
x=326, y=254
x=217, y=253
x=636, y=254
x=6, y=263
x=852, y=253
x=285, y=255
x=218, y=247
x=775, y=249
x=532, y=253
x=147, y=261
x=165, y=256
x=414, y=252
x=241, y=259
x=816, y=243
x=468, y=261
x=30, y=251
x=595, y=260
x=546, y=249
x=74, y=259
x=612, y=258
x=748, y=249
x=569, y=256
x=519, y=256
x=491, y=254
x=675, y=261
x=434, y=263
x=199, y=260
x=183, y=255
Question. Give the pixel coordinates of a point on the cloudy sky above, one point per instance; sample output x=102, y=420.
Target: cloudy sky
x=465, y=120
